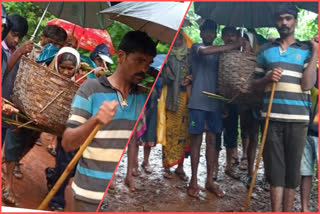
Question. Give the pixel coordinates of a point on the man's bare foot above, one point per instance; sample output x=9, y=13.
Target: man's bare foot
x=8, y=197
x=147, y=168
x=130, y=183
x=213, y=188
x=113, y=184
x=136, y=172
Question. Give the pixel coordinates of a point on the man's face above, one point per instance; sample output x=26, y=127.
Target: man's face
x=179, y=41
x=208, y=36
x=285, y=24
x=229, y=37
x=13, y=39
x=45, y=40
x=99, y=62
x=134, y=65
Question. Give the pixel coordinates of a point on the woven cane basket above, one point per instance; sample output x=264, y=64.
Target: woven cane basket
x=235, y=77
x=34, y=91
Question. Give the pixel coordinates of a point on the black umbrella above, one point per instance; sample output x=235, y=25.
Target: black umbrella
x=247, y=14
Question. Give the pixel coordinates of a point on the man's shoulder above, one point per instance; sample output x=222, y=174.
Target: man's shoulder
x=92, y=86
x=267, y=46
x=304, y=45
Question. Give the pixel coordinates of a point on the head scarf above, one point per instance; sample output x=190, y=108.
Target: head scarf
x=67, y=50
x=180, y=52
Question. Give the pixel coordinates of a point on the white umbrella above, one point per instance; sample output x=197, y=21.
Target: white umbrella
x=160, y=20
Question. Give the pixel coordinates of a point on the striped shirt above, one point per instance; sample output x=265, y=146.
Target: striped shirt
x=97, y=164
x=290, y=102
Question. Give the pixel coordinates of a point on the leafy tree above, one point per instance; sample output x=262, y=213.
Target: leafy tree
x=307, y=27
x=33, y=13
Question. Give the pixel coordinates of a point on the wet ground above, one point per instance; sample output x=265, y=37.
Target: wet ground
x=157, y=194
x=32, y=189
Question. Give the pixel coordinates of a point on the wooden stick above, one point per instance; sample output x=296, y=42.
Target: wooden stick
x=68, y=169
x=25, y=124
x=44, y=108
x=215, y=96
x=7, y=101
x=13, y=122
x=85, y=75
x=263, y=140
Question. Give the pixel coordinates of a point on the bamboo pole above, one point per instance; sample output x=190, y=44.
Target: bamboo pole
x=68, y=169
x=263, y=140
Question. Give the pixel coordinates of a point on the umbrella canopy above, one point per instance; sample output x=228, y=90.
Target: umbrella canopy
x=160, y=20
x=85, y=14
x=247, y=14
x=88, y=38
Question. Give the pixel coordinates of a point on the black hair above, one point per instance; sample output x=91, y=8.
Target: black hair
x=138, y=41
x=209, y=25
x=66, y=57
x=287, y=7
x=226, y=30
x=19, y=24
x=55, y=32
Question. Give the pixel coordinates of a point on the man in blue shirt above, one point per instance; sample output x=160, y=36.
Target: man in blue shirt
x=292, y=65
x=204, y=111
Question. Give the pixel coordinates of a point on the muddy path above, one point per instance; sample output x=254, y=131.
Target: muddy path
x=157, y=194
x=32, y=189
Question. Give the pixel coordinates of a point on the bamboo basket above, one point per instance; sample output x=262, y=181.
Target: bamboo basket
x=43, y=95
x=235, y=77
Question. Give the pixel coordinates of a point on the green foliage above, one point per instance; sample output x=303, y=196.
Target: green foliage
x=307, y=27
x=32, y=13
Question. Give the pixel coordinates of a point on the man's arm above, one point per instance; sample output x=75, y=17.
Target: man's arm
x=309, y=75
x=23, y=49
x=207, y=50
x=73, y=138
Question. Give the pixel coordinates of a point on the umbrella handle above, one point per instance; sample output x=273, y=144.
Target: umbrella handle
x=68, y=169
x=263, y=140
x=37, y=28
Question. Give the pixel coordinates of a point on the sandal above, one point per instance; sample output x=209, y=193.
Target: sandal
x=215, y=190
x=182, y=175
x=246, y=181
x=39, y=142
x=235, y=161
x=147, y=168
x=265, y=185
x=243, y=164
x=8, y=198
x=17, y=171
x=232, y=173
x=52, y=151
x=193, y=192
x=167, y=174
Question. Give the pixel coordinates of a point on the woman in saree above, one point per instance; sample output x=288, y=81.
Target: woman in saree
x=175, y=77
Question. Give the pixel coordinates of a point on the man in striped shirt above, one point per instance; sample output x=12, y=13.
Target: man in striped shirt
x=113, y=102
x=292, y=65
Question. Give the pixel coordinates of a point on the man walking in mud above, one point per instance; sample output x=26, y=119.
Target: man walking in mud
x=113, y=102
x=292, y=65
x=205, y=112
